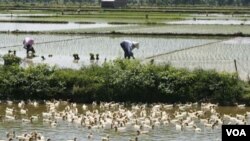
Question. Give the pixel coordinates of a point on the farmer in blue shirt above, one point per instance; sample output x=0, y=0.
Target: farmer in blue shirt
x=127, y=47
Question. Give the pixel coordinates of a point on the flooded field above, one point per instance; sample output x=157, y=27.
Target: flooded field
x=190, y=23
x=50, y=27
x=212, y=22
x=21, y=16
x=61, y=121
x=192, y=53
x=217, y=16
x=190, y=29
x=65, y=121
x=219, y=56
x=108, y=47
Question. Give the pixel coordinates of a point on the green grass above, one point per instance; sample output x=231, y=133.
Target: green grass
x=108, y=16
x=112, y=17
x=6, y=11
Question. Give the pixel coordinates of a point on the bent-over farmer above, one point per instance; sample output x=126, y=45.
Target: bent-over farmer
x=127, y=47
x=28, y=45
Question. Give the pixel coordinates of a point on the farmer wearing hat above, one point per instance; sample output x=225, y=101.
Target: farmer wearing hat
x=28, y=45
x=127, y=47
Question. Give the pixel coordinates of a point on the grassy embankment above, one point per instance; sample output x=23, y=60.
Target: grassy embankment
x=101, y=16
x=122, y=80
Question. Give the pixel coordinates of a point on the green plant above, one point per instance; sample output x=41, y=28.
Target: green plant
x=11, y=59
x=92, y=56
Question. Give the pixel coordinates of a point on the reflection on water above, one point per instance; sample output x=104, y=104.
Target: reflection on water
x=106, y=46
x=49, y=27
x=212, y=22
x=157, y=122
x=11, y=16
x=238, y=41
x=219, y=56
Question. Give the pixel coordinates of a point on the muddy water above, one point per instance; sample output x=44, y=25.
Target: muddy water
x=108, y=47
x=48, y=27
x=219, y=56
x=65, y=129
x=211, y=22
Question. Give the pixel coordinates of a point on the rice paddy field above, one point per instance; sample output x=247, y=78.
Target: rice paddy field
x=108, y=47
x=189, y=29
x=125, y=22
x=49, y=27
x=216, y=52
x=64, y=33
x=219, y=56
x=185, y=52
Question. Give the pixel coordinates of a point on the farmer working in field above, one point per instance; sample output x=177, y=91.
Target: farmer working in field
x=127, y=47
x=28, y=45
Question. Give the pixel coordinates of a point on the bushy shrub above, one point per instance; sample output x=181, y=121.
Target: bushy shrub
x=30, y=83
x=120, y=80
x=10, y=59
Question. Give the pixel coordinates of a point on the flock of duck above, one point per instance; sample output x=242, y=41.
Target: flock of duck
x=119, y=117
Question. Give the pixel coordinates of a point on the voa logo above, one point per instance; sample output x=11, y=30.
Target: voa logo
x=236, y=132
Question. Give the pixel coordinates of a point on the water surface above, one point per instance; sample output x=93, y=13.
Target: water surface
x=108, y=47
x=68, y=130
x=49, y=27
x=211, y=22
